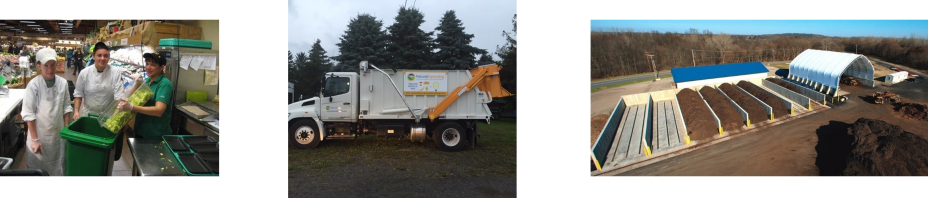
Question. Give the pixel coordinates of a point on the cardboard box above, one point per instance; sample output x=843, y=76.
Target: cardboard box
x=191, y=32
x=135, y=40
x=166, y=28
x=149, y=33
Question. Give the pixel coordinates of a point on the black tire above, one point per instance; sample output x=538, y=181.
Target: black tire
x=308, y=131
x=450, y=136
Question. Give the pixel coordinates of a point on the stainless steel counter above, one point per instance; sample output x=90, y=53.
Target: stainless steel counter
x=151, y=157
x=208, y=126
x=10, y=134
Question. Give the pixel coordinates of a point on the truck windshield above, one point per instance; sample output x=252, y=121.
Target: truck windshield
x=336, y=86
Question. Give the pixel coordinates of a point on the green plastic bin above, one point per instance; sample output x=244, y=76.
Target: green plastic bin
x=89, y=148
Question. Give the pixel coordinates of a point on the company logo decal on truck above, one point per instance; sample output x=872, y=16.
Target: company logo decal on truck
x=426, y=83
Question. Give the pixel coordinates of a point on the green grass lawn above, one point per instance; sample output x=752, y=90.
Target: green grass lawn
x=614, y=77
x=495, y=154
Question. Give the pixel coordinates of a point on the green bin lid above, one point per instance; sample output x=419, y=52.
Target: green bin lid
x=87, y=130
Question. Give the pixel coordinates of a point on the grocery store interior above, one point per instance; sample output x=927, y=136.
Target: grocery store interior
x=107, y=143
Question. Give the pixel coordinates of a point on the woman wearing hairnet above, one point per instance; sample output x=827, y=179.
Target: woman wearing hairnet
x=95, y=88
x=95, y=85
x=154, y=117
x=46, y=108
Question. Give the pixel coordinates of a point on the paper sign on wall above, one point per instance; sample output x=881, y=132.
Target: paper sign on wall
x=196, y=62
x=209, y=63
x=185, y=62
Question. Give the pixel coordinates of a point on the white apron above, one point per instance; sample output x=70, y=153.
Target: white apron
x=49, y=121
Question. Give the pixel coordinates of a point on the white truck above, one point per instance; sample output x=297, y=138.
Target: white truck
x=290, y=92
x=413, y=104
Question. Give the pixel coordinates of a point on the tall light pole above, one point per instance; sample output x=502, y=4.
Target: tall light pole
x=653, y=66
x=693, y=53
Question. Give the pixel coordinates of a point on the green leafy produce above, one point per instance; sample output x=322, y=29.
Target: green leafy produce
x=120, y=118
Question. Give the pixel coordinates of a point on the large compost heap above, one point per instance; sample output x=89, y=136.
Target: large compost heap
x=879, y=148
x=783, y=84
x=756, y=112
x=779, y=108
x=727, y=113
x=696, y=115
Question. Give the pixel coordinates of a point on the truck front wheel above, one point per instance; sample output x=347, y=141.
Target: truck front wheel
x=449, y=136
x=304, y=134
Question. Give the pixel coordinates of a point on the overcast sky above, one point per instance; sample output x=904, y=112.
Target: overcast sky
x=328, y=20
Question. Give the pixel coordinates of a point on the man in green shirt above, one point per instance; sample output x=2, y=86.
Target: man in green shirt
x=154, y=117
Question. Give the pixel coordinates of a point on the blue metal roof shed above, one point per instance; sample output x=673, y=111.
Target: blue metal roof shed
x=685, y=74
x=704, y=75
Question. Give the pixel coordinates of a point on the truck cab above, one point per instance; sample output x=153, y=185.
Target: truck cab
x=339, y=97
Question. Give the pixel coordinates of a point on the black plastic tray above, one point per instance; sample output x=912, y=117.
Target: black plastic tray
x=176, y=144
x=197, y=139
x=209, y=156
x=193, y=163
x=205, y=148
x=214, y=166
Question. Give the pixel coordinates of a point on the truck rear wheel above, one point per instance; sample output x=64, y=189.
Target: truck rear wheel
x=449, y=136
x=304, y=134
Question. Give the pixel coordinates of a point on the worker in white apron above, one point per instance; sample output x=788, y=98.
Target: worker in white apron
x=46, y=109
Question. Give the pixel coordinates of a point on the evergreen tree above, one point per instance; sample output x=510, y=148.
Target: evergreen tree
x=485, y=58
x=364, y=40
x=318, y=64
x=297, y=76
x=507, y=53
x=409, y=47
x=454, y=49
x=290, y=67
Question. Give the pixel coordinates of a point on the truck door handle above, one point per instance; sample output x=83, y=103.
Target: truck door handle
x=347, y=103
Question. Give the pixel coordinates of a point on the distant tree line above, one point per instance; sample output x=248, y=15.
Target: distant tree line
x=620, y=52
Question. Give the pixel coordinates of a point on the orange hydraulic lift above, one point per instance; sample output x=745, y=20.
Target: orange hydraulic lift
x=486, y=78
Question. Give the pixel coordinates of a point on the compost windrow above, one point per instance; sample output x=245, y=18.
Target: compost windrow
x=783, y=84
x=696, y=115
x=779, y=108
x=727, y=113
x=756, y=112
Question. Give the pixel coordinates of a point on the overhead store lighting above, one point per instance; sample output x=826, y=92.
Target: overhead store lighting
x=65, y=23
x=31, y=25
x=27, y=21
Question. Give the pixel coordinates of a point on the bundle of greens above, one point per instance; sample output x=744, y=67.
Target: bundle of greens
x=120, y=118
